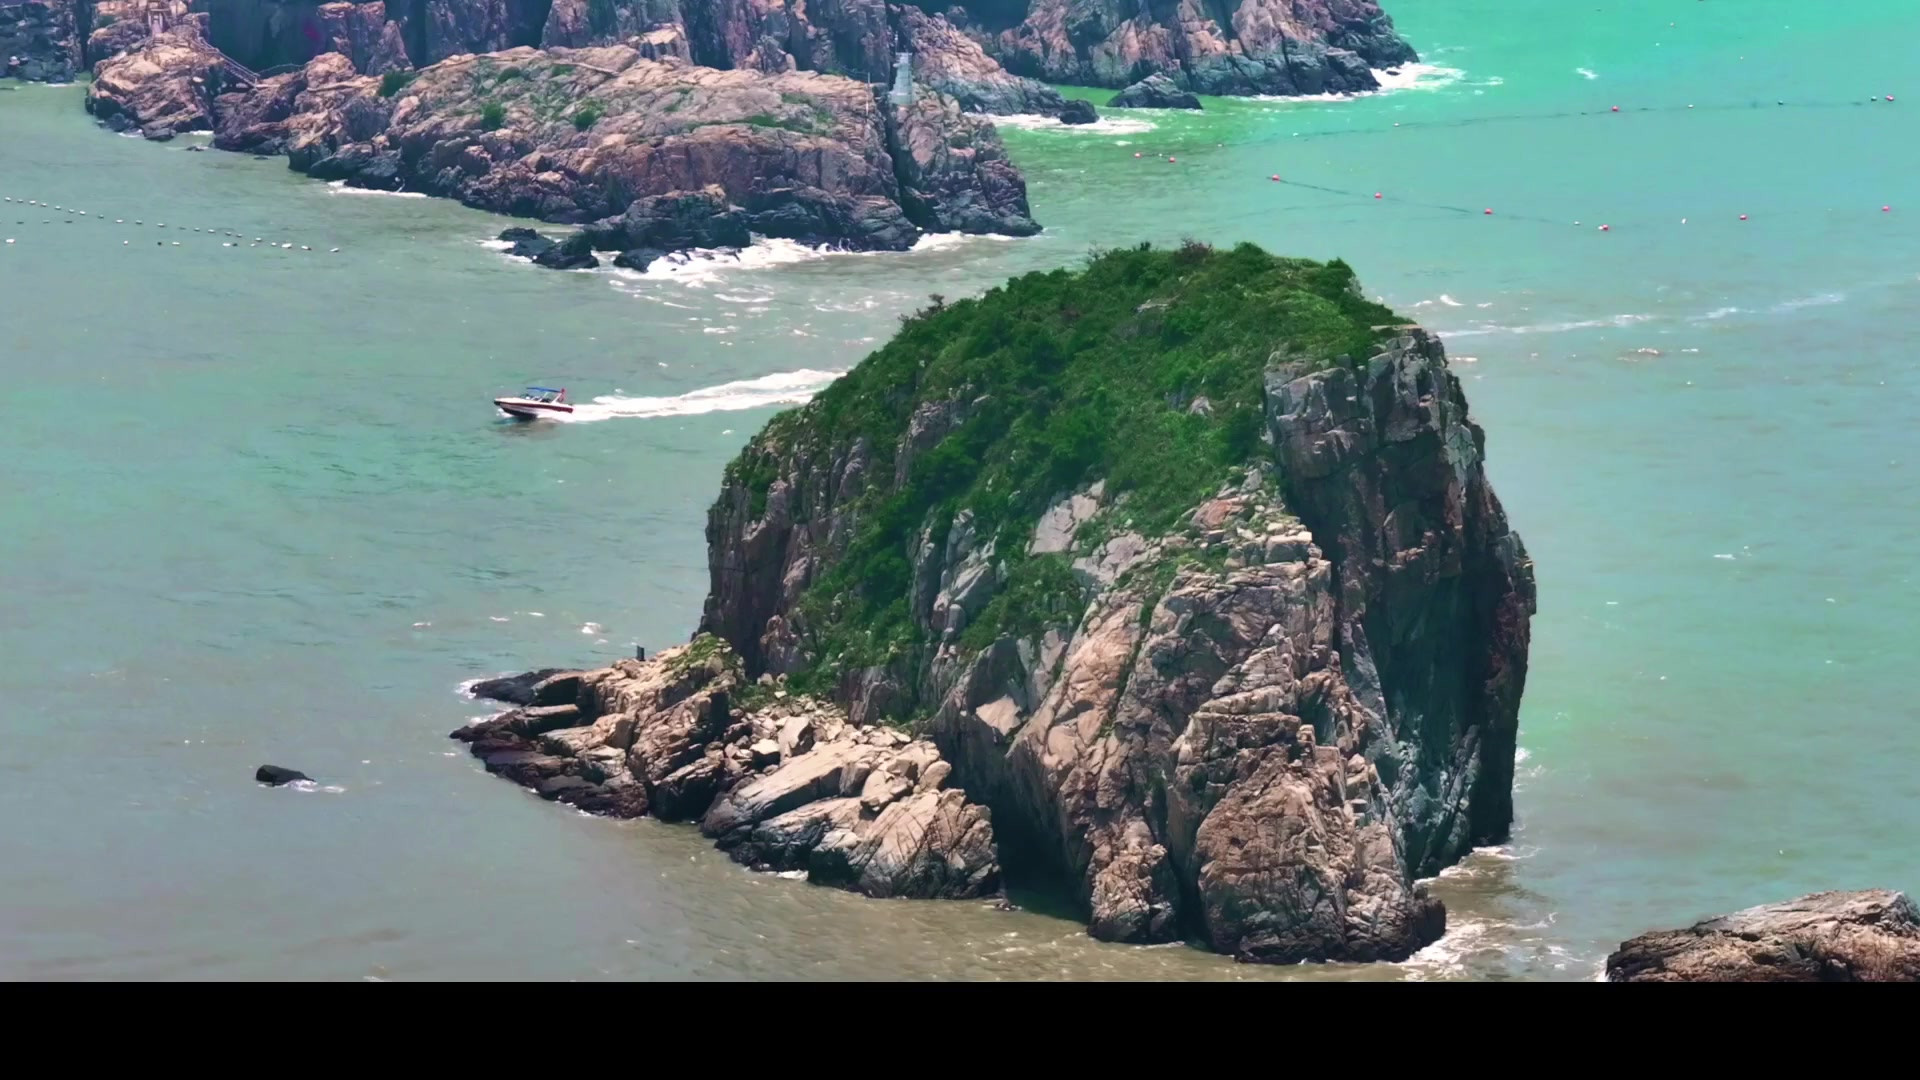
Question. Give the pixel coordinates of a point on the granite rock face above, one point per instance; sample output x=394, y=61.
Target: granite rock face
x=165, y=85
x=40, y=40
x=1871, y=936
x=1231, y=47
x=582, y=136
x=1265, y=726
x=784, y=784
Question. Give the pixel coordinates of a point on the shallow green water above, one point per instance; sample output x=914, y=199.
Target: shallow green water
x=256, y=508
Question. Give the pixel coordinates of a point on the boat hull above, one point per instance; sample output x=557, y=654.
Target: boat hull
x=522, y=409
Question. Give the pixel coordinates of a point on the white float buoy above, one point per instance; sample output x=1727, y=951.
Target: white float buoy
x=304, y=247
x=333, y=251
x=286, y=247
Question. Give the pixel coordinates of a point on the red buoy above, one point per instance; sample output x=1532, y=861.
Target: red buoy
x=1136, y=154
x=1377, y=195
x=1886, y=209
x=1275, y=176
x=1606, y=228
x=1171, y=160
x=1616, y=108
x=1489, y=211
x=1743, y=217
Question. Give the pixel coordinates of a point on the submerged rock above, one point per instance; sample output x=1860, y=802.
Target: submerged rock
x=275, y=775
x=1871, y=936
x=1154, y=92
x=165, y=86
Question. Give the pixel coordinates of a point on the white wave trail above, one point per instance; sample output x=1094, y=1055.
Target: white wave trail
x=783, y=388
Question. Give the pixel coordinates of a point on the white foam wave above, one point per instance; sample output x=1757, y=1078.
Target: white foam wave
x=1549, y=328
x=1586, y=73
x=1419, y=77
x=1449, y=301
x=700, y=268
x=339, y=187
x=784, y=388
x=1821, y=300
x=1106, y=125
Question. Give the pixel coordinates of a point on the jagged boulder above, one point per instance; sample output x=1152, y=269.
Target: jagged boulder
x=859, y=808
x=1154, y=92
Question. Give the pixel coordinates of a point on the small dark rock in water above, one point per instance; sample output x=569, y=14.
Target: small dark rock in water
x=638, y=258
x=1154, y=92
x=274, y=775
x=1078, y=112
x=120, y=122
x=261, y=157
x=1004, y=904
x=157, y=132
x=196, y=149
x=513, y=689
x=573, y=253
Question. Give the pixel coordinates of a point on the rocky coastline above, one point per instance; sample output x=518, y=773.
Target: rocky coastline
x=994, y=57
x=651, y=154
x=1255, y=720
x=1869, y=936
x=780, y=782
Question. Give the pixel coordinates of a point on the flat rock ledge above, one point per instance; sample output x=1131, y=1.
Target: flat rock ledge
x=779, y=782
x=1870, y=936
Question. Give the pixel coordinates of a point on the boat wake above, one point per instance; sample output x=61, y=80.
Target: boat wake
x=783, y=388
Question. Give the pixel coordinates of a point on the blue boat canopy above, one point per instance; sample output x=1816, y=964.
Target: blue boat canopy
x=544, y=389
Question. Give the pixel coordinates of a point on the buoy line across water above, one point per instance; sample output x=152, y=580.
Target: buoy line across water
x=232, y=238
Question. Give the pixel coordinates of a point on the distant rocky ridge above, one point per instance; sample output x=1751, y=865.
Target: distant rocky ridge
x=600, y=135
x=989, y=57
x=1871, y=936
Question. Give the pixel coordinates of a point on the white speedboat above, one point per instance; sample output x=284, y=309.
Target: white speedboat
x=536, y=403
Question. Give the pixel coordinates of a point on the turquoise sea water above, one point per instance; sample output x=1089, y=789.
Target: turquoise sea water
x=256, y=509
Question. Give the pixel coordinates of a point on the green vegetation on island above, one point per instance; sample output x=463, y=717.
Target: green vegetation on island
x=1063, y=378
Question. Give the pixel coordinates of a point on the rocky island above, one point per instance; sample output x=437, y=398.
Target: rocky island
x=1173, y=584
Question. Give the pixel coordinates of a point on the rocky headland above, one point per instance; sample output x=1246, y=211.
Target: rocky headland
x=654, y=153
x=993, y=56
x=1871, y=936
x=1180, y=578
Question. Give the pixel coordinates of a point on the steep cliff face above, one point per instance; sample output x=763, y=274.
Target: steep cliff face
x=40, y=40
x=1189, y=567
